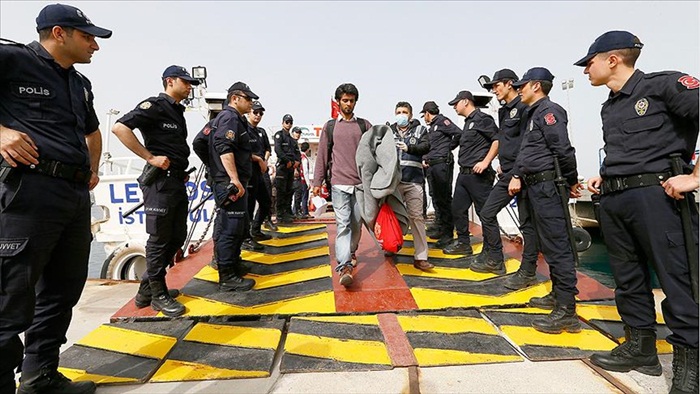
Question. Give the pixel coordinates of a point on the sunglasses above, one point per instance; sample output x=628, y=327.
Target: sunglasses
x=258, y=113
x=287, y=122
x=244, y=97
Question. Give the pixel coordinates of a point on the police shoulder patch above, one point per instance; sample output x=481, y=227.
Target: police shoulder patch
x=641, y=106
x=206, y=130
x=689, y=82
x=145, y=105
x=550, y=119
x=513, y=112
x=230, y=135
x=447, y=122
x=471, y=125
x=412, y=141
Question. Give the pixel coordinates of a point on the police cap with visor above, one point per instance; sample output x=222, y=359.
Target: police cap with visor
x=180, y=72
x=503, y=75
x=615, y=39
x=68, y=16
x=240, y=86
x=534, y=74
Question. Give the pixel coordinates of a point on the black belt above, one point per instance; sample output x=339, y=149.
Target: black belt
x=616, y=184
x=539, y=177
x=466, y=170
x=432, y=162
x=57, y=169
x=178, y=174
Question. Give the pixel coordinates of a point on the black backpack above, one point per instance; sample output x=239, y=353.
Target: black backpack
x=329, y=132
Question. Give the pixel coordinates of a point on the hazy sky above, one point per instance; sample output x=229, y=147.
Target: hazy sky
x=294, y=54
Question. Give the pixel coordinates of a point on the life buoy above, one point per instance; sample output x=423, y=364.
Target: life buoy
x=583, y=239
x=125, y=262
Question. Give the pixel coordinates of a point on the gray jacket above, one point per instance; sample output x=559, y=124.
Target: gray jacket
x=378, y=167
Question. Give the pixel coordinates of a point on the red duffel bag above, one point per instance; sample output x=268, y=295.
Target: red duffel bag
x=387, y=230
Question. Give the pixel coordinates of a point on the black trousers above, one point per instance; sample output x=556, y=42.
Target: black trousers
x=165, y=204
x=268, y=186
x=284, y=181
x=230, y=227
x=471, y=188
x=642, y=226
x=44, y=250
x=548, y=212
x=300, y=205
x=499, y=199
x=441, y=185
x=257, y=192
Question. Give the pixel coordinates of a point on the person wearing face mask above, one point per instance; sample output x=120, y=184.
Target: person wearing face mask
x=412, y=142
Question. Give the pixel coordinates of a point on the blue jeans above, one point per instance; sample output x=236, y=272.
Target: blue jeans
x=347, y=219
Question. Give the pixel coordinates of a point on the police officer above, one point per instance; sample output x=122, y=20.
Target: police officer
x=162, y=123
x=231, y=168
x=478, y=146
x=646, y=119
x=253, y=187
x=261, y=189
x=443, y=136
x=511, y=121
x=546, y=140
x=288, y=160
x=50, y=146
x=412, y=142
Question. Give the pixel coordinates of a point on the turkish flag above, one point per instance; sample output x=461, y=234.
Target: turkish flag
x=335, y=109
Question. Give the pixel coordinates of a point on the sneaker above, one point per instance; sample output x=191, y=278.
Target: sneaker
x=346, y=275
x=520, y=280
x=270, y=225
x=423, y=265
x=489, y=266
x=458, y=248
x=546, y=302
x=353, y=260
x=143, y=298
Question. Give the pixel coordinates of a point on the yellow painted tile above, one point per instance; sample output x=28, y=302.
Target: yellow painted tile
x=323, y=302
x=455, y=273
x=286, y=229
x=78, y=375
x=346, y=350
x=587, y=339
x=128, y=341
x=351, y=319
x=437, y=253
x=250, y=337
x=178, y=371
x=280, y=242
x=446, y=324
x=435, y=357
x=440, y=299
x=264, y=258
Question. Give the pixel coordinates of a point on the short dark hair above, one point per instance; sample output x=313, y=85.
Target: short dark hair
x=629, y=56
x=347, y=88
x=304, y=146
x=45, y=34
x=546, y=86
x=233, y=93
x=404, y=104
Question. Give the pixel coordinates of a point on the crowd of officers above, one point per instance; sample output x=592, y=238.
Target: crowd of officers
x=51, y=147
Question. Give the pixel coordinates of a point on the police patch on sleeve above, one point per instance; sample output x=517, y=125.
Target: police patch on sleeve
x=230, y=135
x=550, y=119
x=689, y=82
x=277, y=136
x=447, y=122
x=206, y=130
x=641, y=106
x=513, y=112
x=412, y=141
x=471, y=125
x=145, y=105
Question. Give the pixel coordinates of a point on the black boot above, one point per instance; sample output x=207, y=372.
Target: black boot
x=258, y=235
x=143, y=297
x=489, y=266
x=230, y=281
x=162, y=301
x=458, y=248
x=49, y=380
x=562, y=318
x=546, y=302
x=520, y=280
x=252, y=245
x=638, y=352
x=685, y=370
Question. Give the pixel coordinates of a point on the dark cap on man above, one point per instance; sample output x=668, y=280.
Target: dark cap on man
x=257, y=106
x=240, y=86
x=179, y=72
x=464, y=94
x=534, y=74
x=287, y=118
x=615, y=39
x=501, y=76
x=296, y=130
x=430, y=106
x=68, y=16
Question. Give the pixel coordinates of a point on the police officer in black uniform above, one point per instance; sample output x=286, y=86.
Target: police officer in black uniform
x=51, y=146
x=255, y=187
x=511, y=121
x=646, y=119
x=546, y=140
x=231, y=168
x=478, y=146
x=443, y=136
x=261, y=190
x=162, y=123
x=288, y=159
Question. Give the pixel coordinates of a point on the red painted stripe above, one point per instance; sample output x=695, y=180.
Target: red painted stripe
x=400, y=349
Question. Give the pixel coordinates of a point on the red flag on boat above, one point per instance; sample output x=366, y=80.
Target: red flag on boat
x=335, y=109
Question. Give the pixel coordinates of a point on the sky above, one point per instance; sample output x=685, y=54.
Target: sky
x=294, y=54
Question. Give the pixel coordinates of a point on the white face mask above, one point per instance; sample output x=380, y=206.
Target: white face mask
x=402, y=120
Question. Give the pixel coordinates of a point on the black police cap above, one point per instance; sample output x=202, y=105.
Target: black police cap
x=430, y=106
x=534, y=74
x=257, y=106
x=464, y=94
x=68, y=16
x=500, y=76
x=243, y=88
x=616, y=39
x=179, y=72
x=287, y=118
